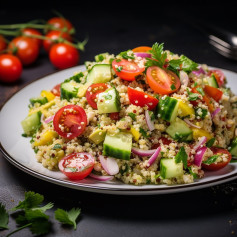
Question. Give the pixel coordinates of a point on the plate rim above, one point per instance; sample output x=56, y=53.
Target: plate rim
x=109, y=190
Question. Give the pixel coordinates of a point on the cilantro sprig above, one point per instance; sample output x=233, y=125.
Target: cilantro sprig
x=4, y=217
x=182, y=156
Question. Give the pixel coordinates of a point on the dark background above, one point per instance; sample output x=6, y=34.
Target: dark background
x=113, y=27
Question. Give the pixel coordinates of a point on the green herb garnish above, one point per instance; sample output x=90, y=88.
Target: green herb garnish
x=211, y=160
x=210, y=142
x=182, y=156
x=133, y=116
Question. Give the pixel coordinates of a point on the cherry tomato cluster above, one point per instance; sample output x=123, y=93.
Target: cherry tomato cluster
x=55, y=37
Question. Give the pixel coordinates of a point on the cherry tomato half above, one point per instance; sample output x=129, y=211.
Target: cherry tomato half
x=30, y=31
x=126, y=70
x=52, y=38
x=60, y=23
x=3, y=43
x=63, y=55
x=213, y=92
x=70, y=121
x=56, y=90
x=10, y=68
x=219, y=75
x=141, y=49
x=162, y=81
x=77, y=166
x=219, y=165
x=25, y=48
x=140, y=98
x=93, y=91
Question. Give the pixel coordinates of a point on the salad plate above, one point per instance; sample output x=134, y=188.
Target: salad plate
x=17, y=149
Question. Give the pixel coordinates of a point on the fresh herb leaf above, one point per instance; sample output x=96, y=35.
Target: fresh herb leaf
x=4, y=217
x=127, y=54
x=24, y=135
x=133, y=116
x=174, y=64
x=192, y=96
x=77, y=77
x=119, y=68
x=210, y=142
x=44, y=208
x=152, y=115
x=195, y=176
x=172, y=87
x=57, y=146
x=68, y=217
x=200, y=90
x=211, y=160
x=187, y=64
x=200, y=112
x=32, y=200
x=158, y=56
x=182, y=156
x=143, y=132
x=40, y=226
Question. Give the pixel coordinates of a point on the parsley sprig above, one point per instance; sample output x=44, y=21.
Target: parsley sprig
x=182, y=156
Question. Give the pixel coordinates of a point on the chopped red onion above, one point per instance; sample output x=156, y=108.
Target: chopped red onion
x=109, y=164
x=184, y=79
x=199, y=71
x=142, y=153
x=149, y=123
x=101, y=177
x=153, y=158
x=143, y=55
x=191, y=124
x=215, y=112
x=200, y=143
x=199, y=156
x=49, y=119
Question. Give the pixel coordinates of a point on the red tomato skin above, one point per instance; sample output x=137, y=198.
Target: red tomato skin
x=126, y=73
x=114, y=116
x=3, y=43
x=10, y=68
x=53, y=36
x=63, y=56
x=72, y=121
x=60, y=23
x=27, y=50
x=219, y=165
x=142, y=49
x=162, y=140
x=28, y=32
x=91, y=94
x=56, y=90
x=213, y=92
x=75, y=175
x=143, y=99
x=160, y=80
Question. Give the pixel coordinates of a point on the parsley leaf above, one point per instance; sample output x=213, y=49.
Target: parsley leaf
x=143, y=132
x=200, y=112
x=211, y=160
x=210, y=142
x=69, y=217
x=119, y=68
x=187, y=64
x=200, y=90
x=127, y=54
x=182, y=156
x=4, y=217
x=172, y=87
x=56, y=146
x=195, y=176
x=158, y=56
x=133, y=116
x=32, y=199
x=192, y=96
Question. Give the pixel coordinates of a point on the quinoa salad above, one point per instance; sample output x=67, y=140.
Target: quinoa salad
x=144, y=116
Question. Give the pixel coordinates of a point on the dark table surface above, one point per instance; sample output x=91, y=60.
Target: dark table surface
x=205, y=212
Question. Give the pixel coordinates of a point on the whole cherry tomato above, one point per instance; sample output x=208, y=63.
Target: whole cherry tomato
x=30, y=31
x=53, y=38
x=10, y=68
x=25, y=48
x=60, y=23
x=63, y=56
x=3, y=43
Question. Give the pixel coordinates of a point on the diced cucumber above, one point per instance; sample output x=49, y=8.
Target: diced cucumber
x=100, y=73
x=233, y=147
x=31, y=123
x=167, y=108
x=101, y=57
x=108, y=101
x=69, y=90
x=170, y=169
x=41, y=100
x=179, y=130
x=118, y=146
x=212, y=81
x=98, y=136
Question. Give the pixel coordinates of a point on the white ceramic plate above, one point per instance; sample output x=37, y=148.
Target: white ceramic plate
x=17, y=149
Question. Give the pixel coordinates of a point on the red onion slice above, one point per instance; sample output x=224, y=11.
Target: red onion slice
x=184, y=79
x=215, y=112
x=49, y=119
x=143, y=55
x=109, y=164
x=142, y=153
x=153, y=158
x=101, y=177
x=149, y=123
x=191, y=124
x=200, y=143
x=199, y=71
x=199, y=156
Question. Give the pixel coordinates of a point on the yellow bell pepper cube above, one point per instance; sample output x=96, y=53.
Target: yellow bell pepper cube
x=49, y=95
x=135, y=133
x=46, y=138
x=185, y=109
x=198, y=132
x=60, y=154
x=42, y=107
x=82, y=90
